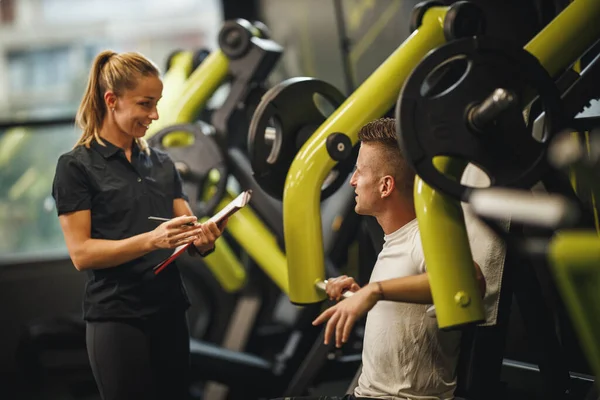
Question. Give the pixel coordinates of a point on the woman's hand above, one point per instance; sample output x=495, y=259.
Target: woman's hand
x=209, y=235
x=176, y=232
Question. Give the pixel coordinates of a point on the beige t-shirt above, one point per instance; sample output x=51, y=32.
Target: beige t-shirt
x=405, y=355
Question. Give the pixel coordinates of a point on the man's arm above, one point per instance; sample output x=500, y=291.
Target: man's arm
x=414, y=289
x=409, y=289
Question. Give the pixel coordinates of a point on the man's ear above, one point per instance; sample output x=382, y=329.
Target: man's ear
x=110, y=98
x=388, y=185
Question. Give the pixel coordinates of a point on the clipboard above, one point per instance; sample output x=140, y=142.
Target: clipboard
x=234, y=206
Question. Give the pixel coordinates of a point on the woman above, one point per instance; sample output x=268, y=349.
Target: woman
x=105, y=189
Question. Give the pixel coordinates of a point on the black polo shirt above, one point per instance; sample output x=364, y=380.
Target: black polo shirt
x=121, y=195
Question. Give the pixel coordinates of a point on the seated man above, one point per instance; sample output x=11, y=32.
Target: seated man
x=405, y=355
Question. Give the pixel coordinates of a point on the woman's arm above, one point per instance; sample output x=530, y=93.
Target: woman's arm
x=87, y=253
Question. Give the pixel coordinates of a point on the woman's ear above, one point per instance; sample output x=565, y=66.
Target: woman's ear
x=110, y=98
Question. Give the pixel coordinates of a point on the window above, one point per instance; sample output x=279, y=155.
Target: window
x=45, y=56
x=28, y=220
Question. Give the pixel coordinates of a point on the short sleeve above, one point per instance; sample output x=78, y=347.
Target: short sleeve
x=71, y=187
x=178, y=192
x=417, y=254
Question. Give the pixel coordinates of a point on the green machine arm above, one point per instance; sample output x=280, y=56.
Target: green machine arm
x=449, y=262
x=174, y=82
x=567, y=37
x=301, y=215
x=194, y=92
x=575, y=259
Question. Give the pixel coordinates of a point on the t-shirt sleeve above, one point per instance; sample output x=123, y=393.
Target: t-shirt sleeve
x=418, y=255
x=178, y=192
x=71, y=188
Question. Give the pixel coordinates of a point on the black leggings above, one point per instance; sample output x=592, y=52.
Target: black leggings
x=140, y=360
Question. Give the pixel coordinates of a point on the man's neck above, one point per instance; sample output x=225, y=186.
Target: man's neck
x=397, y=213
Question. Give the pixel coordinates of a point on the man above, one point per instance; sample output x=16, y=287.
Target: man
x=405, y=355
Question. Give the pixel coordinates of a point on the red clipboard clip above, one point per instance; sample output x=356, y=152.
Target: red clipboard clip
x=163, y=264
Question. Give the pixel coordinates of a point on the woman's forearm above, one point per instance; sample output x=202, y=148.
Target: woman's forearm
x=101, y=253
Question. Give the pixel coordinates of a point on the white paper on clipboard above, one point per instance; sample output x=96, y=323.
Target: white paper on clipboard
x=236, y=204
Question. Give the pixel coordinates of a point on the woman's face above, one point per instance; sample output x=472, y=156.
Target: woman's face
x=135, y=109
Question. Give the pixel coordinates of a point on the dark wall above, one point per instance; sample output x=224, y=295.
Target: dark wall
x=247, y=9
x=32, y=290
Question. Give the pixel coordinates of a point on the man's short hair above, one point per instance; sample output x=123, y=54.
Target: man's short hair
x=382, y=132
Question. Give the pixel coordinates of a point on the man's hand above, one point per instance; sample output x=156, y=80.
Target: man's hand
x=337, y=286
x=344, y=315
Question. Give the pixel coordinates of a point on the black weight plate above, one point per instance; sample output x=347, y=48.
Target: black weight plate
x=195, y=162
x=291, y=107
x=432, y=119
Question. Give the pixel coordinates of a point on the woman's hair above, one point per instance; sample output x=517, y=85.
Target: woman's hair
x=117, y=73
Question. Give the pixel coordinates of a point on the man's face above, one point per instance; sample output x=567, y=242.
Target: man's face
x=366, y=180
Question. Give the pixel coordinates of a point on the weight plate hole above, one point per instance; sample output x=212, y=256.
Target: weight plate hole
x=323, y=105
x=445, y=77
x=273, y=138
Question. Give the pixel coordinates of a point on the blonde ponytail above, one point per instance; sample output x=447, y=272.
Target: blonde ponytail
x=143, y=145
x=92, y=110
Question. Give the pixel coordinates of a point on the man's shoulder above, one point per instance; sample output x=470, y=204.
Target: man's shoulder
x=408, y=246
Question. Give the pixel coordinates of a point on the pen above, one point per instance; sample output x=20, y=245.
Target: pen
x=167, y=219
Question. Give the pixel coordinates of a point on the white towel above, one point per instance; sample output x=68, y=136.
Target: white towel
x=487, y=248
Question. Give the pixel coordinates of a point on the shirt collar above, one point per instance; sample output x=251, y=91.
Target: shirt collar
x=109, y=149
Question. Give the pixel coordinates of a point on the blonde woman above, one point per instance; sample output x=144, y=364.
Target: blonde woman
x=105, y=189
